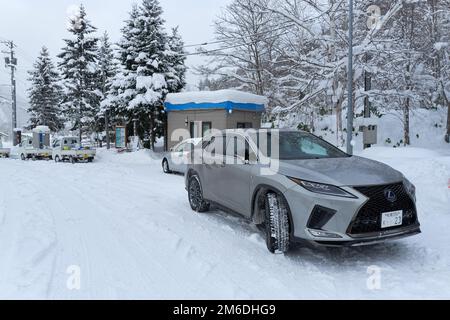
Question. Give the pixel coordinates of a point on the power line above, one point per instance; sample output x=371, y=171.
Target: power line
x=25, y=55
x=231, y=47
x=20, y=51
x=250, y=35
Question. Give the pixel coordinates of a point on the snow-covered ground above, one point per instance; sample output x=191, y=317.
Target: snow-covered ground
x=427, y=128
x=129, y=230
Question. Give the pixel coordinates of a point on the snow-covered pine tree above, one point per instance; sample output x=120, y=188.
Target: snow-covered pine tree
x=139, y=89
x=45, y=94
x=79, y=70
x=153, y=68
x=107, y=69
x=123, y=85
x=176, y=56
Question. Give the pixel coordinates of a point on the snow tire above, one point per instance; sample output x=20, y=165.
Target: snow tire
x=277, y=223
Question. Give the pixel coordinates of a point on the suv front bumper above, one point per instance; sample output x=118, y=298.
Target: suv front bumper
x=371, y=239
x=337, y=231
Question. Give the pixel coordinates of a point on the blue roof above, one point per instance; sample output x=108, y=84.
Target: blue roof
x=227, y=105
x=215, y=100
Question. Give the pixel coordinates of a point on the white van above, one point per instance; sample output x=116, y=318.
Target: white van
x=26, y=150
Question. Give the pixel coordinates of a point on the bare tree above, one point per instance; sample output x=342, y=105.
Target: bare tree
x=246, y=37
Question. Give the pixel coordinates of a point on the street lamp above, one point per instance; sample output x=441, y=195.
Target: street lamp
x=350, y=114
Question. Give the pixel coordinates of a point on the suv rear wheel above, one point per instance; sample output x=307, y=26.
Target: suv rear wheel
x=165, y=165
x=195, y=192
x=277, y=223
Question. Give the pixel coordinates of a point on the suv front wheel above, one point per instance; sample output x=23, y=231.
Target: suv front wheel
x=277, y=223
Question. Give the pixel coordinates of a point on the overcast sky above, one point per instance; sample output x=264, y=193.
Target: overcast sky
x=34, y=23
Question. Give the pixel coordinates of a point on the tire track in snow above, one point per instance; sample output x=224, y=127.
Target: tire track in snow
x=30, y=237
x=153, y=232
x=233, y=226
x=146, y=250
x=104, y=219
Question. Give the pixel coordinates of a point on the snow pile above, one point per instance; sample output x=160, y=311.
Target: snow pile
x=215, y=97
x=156, y=81
x=41, y=129
x=427, y=129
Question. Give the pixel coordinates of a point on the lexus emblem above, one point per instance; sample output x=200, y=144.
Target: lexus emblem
x=390, y=195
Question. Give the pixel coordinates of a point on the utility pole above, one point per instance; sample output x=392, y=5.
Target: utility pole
x=11, y=62
x=108, y=139
x=350, y=114
x=367, y=87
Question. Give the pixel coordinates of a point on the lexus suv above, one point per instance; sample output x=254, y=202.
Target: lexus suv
x=299, y=187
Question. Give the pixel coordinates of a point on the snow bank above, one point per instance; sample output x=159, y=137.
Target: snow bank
x=399, y=153
x=427, y=129
x=216, y=97
x=41, y=129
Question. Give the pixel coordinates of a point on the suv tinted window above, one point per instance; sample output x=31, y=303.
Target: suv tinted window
x=237, y=147
x=180, y=148
x=300, y=146
x=215, y=146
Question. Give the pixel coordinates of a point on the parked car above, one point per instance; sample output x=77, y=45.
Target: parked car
x=307, y=191
x=176, y=160
x=70, y=149
x=4, y=152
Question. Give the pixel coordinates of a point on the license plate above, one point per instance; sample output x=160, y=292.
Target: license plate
x=392, y=219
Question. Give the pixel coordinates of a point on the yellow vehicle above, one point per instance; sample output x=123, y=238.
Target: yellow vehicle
x=70, y=149
x=4, y=152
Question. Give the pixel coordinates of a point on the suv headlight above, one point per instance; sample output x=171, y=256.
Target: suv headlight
x=321, y=188
x=410, y=188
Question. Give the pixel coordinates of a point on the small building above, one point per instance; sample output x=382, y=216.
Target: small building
x=199, y=112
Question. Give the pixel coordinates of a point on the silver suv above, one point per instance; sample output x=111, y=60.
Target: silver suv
x=299, y=187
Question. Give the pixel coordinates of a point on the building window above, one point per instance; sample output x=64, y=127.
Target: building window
x=206, y=128
x=244, y=125
x=196, y=126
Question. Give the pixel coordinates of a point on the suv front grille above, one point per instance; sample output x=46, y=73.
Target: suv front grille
x=368, y=219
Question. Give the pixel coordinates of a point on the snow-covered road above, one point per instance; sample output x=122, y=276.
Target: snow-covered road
x=129, y=230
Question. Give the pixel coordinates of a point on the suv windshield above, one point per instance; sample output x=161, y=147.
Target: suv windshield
x=298, y=146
